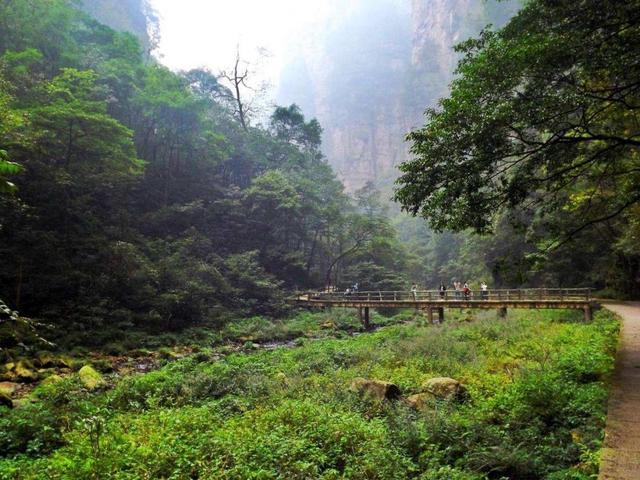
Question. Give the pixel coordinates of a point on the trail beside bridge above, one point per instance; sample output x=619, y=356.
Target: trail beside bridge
x=621, y=452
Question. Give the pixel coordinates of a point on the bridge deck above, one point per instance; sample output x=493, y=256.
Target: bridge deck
x=574, y=298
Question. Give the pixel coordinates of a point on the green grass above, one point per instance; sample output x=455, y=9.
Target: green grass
x=536, y=386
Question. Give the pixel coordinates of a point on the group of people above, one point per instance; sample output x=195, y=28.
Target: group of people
x=353, y=289
x=461, y=289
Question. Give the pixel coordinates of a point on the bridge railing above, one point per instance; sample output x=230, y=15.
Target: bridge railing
x=501, y=295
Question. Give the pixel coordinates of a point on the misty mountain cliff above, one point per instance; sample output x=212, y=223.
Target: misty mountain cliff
x=133, y=16
x=369, y=70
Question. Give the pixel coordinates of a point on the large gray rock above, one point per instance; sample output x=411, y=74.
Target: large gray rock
x=376, y=389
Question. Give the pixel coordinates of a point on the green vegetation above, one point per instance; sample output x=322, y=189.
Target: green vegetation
x=141, y=202
x=534, y=408
x=153, y=228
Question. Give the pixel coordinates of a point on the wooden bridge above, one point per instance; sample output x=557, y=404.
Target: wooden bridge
x=435, y=301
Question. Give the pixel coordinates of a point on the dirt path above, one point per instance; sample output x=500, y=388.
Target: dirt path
x=621, y=452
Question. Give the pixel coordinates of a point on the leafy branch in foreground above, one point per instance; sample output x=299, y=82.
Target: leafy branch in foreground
x=543, y=116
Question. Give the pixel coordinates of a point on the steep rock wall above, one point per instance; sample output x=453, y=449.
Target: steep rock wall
x=133, y=16
x=367, y=72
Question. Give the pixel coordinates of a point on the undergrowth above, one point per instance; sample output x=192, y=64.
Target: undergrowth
x=536, y=383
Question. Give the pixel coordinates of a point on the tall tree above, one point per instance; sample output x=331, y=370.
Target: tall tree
x=544, y=113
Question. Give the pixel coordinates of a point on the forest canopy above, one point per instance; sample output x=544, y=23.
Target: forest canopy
x=135, y=197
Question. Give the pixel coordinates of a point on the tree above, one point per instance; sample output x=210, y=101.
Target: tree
x=238, y=80
x=288, y=124
x=543, y=114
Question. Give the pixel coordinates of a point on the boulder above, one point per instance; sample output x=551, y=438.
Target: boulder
x=419, y=401
x=8, y=388
x=376, y=389
x=45, y=360
x=7, y=372
x=444, y=388
x=90, y=378
x=24, y=371
x=5, y=400
x=64, y=362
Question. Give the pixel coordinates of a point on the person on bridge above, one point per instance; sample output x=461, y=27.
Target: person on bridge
x=443, y=290
x=457, y=286
x=484, y=291
x=414, y=292
x=466, y=291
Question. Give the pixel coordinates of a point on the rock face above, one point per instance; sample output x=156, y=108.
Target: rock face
x=133, y=16
x=376, y=389
x=369, y=69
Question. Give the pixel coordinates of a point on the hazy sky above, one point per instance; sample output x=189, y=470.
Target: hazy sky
x=204, y=33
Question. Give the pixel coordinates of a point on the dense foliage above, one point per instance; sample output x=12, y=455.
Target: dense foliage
x=541, y=129
x=142, y=201
x=535, y=406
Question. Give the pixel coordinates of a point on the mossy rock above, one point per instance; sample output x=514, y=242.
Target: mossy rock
x=90, y=378
x=64, y=362
x=376, y=389
x=7, y=372
x=45, y=360
x=8, y=388
x=420, y=401
x=444, y=388
x=24, y=371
